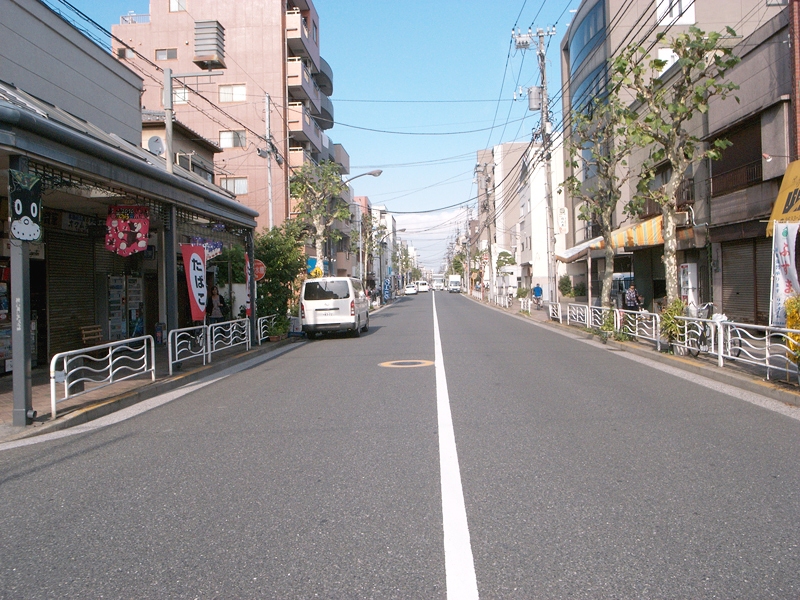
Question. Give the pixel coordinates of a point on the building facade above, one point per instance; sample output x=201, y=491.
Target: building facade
x=718, y=202
x=272, y=87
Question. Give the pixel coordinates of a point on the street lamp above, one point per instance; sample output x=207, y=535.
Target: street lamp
x=374, y=173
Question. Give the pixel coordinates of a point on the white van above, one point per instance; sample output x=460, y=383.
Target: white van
x=333, y=304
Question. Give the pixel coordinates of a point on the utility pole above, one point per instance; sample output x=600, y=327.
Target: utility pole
x=269, y=160
x=537, y=100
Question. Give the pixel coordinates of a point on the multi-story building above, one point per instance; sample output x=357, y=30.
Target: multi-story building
x=720, y=202
x=512, y=208
x=268, y=107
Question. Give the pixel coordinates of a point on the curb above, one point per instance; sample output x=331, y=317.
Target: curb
x=107, y=406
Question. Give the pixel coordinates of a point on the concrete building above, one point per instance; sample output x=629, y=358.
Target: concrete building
x=79, y=272
x=274, y=89
x=599, y=31
x=512, y=207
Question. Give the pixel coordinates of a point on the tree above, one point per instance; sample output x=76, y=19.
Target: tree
x=281, y=251
x=317, y=189
x=668, y=106
x=602, y=140
x=504, y=259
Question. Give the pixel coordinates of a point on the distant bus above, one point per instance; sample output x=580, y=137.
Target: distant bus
x=438, y=282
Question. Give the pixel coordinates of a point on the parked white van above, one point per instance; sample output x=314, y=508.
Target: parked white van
x=333, y=304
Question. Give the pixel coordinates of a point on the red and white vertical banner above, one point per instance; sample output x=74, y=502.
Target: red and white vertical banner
x=194, y=263
x=247, y=310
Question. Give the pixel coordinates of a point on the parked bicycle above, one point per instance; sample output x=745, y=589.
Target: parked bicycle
x=701, y=335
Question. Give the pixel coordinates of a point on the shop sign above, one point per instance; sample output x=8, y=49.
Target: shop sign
x=784, y=271
x=194, y=264
x=25, y=201
x=127, y=228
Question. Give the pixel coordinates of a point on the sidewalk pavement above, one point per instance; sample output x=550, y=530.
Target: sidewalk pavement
x=737, y=374
x=99, y=402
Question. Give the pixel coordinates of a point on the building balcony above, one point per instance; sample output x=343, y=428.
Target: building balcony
x=302, y=127
x=737, y=179
x=325, y=77
x=326, y=112
x=302, y=85
x=298, y=38
x=132, y=19
x=341, y=158
x=299, y=157
x=685, y=198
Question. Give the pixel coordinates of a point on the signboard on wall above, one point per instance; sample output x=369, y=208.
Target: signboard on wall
x=25, y=206
x=127, y=228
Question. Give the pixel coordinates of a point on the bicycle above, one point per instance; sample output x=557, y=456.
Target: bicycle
x=537, y=302
x=698, y=335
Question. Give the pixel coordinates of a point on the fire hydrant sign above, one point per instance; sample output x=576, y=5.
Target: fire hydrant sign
x=194, y=263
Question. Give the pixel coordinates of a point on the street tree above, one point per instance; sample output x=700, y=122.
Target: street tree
x=504, y=259
x=281, y=251
x=601, y=142
x=668, y=104
x=318, y=189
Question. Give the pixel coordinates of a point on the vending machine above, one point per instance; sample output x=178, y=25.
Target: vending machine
x=687, y=280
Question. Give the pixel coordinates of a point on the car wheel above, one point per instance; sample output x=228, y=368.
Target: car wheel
x=365, y=329
x=357, y=331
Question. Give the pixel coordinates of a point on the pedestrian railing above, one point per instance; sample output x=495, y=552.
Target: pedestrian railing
x=186, y=344
x=525, y=304
x=87, y=369
x=227, y=335
x=263, y=325
x=578, y=314
x=554, y=310
x=774, y=350
x=639, y=324
x=476, y=294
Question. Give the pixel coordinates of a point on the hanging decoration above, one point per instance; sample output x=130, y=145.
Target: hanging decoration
x=127, y=228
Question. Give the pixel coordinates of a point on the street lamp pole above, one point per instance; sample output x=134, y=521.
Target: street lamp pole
x=373, y=173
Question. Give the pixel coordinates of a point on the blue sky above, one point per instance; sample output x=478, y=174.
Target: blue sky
x=410, y=77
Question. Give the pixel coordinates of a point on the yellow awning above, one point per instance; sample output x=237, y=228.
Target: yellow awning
x=644, y=234
x=787, y=204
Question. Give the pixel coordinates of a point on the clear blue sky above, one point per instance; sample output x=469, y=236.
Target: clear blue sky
x=409, y=78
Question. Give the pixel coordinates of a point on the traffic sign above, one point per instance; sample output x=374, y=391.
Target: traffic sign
x=260, y=269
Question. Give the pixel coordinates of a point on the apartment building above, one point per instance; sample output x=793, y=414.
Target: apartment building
x=720, y=202
x=512, y=207
x=271, y=83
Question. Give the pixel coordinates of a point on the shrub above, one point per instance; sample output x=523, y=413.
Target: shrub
x=579, y=289
x=565, y=285
x=670, y=326
x=792, y=306
x=523, y=292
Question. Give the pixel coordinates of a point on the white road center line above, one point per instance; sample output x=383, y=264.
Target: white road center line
x=458, y=561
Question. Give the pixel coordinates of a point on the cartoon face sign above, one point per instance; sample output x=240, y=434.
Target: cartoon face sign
x=127, y=229
x=25, y=206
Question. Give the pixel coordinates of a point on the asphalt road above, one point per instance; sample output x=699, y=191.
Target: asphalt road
x=326, y=472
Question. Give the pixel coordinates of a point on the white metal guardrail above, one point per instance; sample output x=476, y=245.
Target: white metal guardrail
x=100, y=366
x=554, y=309
x=639, y=324
x=227, y=335
x=263, y=325
x=187, y=343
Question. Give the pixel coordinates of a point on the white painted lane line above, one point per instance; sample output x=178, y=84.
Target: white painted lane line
x=458, y=562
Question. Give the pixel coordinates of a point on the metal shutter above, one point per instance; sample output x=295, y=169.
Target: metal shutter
x=70, y=289
x=738, y=281
x=763, y=278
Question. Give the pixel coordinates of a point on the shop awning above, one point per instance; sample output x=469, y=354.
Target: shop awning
x=787, y=204
x=639, y=235
x=578, y=251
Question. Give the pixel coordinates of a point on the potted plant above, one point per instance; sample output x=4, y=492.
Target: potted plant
x=278, y=329
x=670, y=325
x=792, y=306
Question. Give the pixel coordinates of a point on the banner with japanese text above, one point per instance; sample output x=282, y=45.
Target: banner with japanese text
x=247, y=310
x=784, y=270
x=194, y=264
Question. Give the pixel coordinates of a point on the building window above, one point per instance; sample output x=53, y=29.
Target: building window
x=232, y=139
x=167, y=54
x=180, y=95
x=233, y=93
x=177, y=5
x=125, y=53
x=675, y=12
x=235, y=185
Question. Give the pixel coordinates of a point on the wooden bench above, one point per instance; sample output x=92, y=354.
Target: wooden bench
x=92, y=335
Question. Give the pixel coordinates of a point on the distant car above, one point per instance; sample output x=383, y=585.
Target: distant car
x=422, y=286
x=410, y=290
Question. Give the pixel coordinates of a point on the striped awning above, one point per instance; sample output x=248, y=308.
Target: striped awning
x=642, y=235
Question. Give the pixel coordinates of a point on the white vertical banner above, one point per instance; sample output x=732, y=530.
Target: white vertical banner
x=784, y=271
